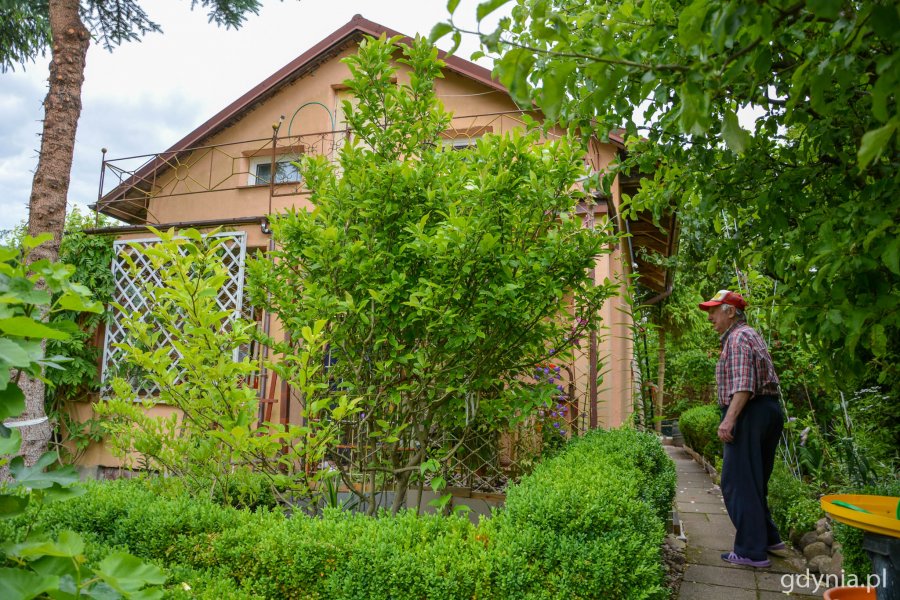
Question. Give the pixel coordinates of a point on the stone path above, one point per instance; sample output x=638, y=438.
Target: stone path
x=709, y=533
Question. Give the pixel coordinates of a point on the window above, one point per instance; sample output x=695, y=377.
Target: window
x=461, y=143
x=285, y=170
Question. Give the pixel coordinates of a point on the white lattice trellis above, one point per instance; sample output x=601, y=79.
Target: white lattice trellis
x=129, y=293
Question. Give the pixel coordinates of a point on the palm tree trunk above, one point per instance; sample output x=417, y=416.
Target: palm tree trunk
x=49, y=190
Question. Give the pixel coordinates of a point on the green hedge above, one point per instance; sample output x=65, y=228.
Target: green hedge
x=588, y=523
x=700, y=426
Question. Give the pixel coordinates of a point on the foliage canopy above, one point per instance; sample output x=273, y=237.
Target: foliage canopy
x=808, y=196
x=441, y=275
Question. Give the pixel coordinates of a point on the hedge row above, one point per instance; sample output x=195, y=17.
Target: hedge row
x=700, y=426
x=588, y=523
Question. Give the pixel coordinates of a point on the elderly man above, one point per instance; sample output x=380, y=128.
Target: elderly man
x=751, y=426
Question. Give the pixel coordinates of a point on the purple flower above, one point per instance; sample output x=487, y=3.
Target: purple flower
x=560, y=388
x=555, y=424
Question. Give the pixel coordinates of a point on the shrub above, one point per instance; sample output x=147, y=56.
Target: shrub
x=700, y=427
x=588, y=523
x=794, y=505
x=561, y=538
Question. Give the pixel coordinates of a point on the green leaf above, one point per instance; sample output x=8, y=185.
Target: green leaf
x=34, y=477
x=57, y=492
x=78, y=303
x=735, y=137
x=690, y=22
x=514, y=68
x=825, y=9
x=29, y=328
x=712, y=265
x=12, y=506
x=10, y=444
x=486, y=8
x=451, y=6
x=12, y=400
x=18, y=584
x=873, y=143
x=59, y=566
x=553, y=90
x=69, y=544
x=128, y=574
x=13, y=353
x=30, y=243
x=439, y=31
x=891, y=256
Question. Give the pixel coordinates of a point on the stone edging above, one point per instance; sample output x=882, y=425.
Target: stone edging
x=698, y=458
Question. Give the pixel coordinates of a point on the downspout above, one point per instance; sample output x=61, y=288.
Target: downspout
x=267, y=327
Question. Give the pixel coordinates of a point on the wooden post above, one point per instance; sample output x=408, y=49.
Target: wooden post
x=661, y=377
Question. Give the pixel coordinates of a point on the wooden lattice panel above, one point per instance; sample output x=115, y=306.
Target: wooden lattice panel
x=130, y=294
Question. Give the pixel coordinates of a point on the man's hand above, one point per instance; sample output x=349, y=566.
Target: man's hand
x=726, y=430
x=726, y=427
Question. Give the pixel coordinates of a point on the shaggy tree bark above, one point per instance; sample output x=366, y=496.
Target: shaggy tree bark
x=49, y=190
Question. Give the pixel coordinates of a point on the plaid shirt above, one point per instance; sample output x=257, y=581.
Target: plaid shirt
x=745, y=365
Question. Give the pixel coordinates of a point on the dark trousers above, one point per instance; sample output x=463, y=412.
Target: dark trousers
x=746, y=468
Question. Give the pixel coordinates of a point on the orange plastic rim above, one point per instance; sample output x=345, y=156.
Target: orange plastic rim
x=881, y=518
x=851, y=592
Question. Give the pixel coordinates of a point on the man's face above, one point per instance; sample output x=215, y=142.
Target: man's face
x=721, y=317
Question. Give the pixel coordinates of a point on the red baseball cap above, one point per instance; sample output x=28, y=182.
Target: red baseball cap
x=724, y=297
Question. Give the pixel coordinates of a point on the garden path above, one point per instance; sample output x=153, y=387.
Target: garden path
x=709, y=533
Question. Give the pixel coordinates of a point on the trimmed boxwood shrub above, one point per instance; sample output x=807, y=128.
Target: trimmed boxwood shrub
x=700, y=426
x=588, y=523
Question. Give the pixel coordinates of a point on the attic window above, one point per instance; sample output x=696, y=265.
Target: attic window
x=285, y=171
x=462, y=143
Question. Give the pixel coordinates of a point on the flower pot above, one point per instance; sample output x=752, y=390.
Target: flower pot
x=851, y=593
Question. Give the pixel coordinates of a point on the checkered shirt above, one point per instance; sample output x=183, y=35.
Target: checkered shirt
x=745, y=365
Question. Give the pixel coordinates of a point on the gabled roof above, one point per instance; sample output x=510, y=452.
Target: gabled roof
x=355, y=29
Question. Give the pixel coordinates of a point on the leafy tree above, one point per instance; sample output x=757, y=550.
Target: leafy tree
x=27, y=28
x=808, y=197
x=443, y=277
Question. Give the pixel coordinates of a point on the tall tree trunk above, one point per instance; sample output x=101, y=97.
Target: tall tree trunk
x=49, y=190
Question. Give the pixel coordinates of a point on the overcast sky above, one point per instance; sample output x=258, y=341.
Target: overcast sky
x=145, y=96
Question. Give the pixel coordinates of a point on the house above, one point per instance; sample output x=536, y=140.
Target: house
x=235, y=170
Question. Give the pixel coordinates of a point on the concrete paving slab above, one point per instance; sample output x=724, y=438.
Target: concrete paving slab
x=783, y=596
x=691, y=506
x=720, y=576
x=788, y=582
x=694, y=555
x=691, y=590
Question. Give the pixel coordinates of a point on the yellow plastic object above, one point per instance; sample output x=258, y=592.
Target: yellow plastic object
x=881, y=515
